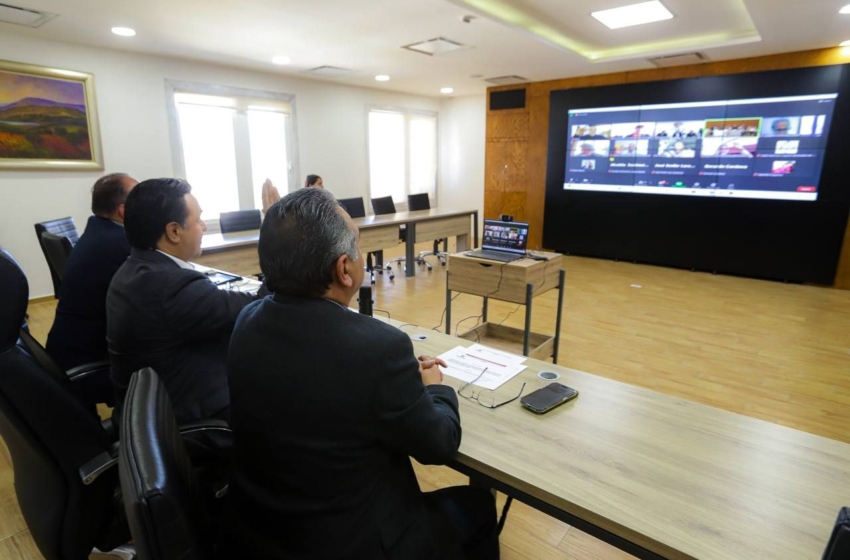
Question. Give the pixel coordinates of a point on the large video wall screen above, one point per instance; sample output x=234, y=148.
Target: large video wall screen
x=769, y=148
x=743, y=174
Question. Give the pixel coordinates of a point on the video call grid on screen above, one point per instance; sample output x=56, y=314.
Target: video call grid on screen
x=505, y=236
x=769, y=148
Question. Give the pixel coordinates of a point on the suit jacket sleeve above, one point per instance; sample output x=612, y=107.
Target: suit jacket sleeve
x=420, y=421
x=198, y=309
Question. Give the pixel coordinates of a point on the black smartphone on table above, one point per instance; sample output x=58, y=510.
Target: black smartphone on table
x=545, y=399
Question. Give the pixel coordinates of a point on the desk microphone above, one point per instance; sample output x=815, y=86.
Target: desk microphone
x=365, y=300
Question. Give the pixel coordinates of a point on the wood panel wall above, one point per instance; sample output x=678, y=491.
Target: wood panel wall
x=517, y=139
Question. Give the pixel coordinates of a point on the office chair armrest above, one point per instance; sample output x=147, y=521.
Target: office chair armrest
x=110, y=428
x=207, y=441
x=87, y=370
x=99, y=465
x=211, y=424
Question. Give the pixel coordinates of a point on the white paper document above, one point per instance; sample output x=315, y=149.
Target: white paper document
x=468, y=364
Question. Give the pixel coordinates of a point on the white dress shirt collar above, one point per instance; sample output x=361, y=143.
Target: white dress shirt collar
x=180, y=263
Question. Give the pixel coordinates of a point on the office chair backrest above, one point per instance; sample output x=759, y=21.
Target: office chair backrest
x=161, y=494
x=418, y=202
x=50, y=436
x=383, y=205
x=57, y=249
x=243, y=220
x=354, y=206
x=838, y=547
x=63, y=227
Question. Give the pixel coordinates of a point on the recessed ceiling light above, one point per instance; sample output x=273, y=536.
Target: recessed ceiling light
x=845, y=44
x=382, y=78
x=635, y=14
x=845, y=10
x=281, y=60
x=124, y=31
x=447, y=90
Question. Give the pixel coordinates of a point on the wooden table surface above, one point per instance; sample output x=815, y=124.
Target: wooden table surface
x=408, y=217
x=680, y=479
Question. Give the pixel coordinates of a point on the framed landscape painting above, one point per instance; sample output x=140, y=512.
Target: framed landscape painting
x=48, y=119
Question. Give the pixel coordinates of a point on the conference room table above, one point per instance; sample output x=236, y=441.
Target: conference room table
x=654, y=475
x=237, y=252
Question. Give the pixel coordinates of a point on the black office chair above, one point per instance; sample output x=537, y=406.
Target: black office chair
x=63, y=227
x=356, y=209
x=90, y=382
x=422, y=202
x=62, y=454
x=57, y=249
x=169, y=513
x=243, y=220
x=385, y=205
x=838, y=547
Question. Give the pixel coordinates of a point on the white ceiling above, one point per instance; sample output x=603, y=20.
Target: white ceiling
x=536, y=39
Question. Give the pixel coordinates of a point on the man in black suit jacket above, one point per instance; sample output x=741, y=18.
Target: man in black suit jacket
x=78, y=335
x=161, y=313
x=328, y=406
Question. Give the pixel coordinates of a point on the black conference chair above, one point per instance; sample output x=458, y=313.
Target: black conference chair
x=838, y=547
x=422, y=202
x=243, y=220
x=57, y=249
x=63, y=227
x=62, y=454
x=385, y=205
x=90, y=382
x=169, y=513
x=356, y=209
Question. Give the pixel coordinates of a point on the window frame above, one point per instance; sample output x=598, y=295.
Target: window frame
x=407, y=114
x=178, y=161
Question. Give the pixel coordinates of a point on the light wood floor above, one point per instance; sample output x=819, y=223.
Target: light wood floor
x=772, y=351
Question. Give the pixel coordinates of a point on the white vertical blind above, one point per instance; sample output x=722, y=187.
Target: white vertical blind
x=386, y=155
x=423, y=155
x=267, y=132
x=209, y=156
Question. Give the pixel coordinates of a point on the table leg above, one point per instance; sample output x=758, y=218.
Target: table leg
x=448, y=306
x=561, y=278
x=529, y=291
x=409, y=257
x=484, y=311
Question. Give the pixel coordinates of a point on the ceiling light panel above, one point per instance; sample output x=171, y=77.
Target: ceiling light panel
x=635, y=14
x=436, y=47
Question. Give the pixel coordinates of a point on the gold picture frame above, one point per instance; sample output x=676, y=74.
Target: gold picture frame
x=48, y=119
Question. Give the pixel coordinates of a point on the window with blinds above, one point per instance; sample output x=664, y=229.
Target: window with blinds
x=402, y=154
x=230, y=144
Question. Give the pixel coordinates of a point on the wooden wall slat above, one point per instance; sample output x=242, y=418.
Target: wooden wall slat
x=523, y=134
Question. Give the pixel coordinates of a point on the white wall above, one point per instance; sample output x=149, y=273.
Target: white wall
x=131, y=101
x=463, y=123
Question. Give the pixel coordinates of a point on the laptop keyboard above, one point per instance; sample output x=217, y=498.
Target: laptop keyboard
x=495, y=255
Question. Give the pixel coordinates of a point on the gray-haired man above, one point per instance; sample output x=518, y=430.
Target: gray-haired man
x=328, y=406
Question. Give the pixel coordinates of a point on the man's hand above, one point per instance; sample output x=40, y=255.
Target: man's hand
x=430, y=371
x=270, y=195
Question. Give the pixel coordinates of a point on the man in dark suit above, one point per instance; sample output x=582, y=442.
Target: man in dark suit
x=164, y=314
x=78, y=335
x=328, y=406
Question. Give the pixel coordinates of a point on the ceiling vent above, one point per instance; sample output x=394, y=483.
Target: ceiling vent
x=436, y=47
x=23, y=16
x=678, y=60
x=328, y=71
x=507, y=80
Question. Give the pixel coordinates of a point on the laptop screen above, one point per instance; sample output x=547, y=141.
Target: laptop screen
x=505, y=236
